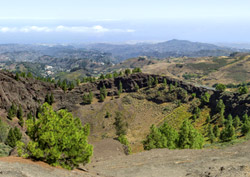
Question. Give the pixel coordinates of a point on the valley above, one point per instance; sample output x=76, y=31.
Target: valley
x=127, y=107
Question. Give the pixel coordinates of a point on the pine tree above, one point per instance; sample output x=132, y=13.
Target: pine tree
x=118, y=94
x=127, y=71
x=102, y=77
x=208, y=120
x=90, y=97
x=115, y=74
x=210, y=134
x=229, y=120
x=20, y=112
x=236, y=122
x=47, y=99
x=120, y=126
x=165, y=82
x=156, y=81
x=170, y=134
x=120, y=87
x=243, y=90
x=220, y=107
x=60, y=139
x=29, y=75
x=102, y=98
x=228, y=133
x=155, y=139
x=11, y=139
x=205, y=98
x=244, y=118
x=17, y=133
x=150, y=81
x=21, y=121
x=216, y=131
x=136, y=87
x=17, y=77
x=189, y=137
x=245, y=129
x=29, y=116
x=171, y=88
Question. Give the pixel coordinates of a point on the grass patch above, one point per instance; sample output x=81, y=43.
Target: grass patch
x=177, y=116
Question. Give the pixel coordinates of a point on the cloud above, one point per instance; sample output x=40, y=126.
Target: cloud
x=61, y=28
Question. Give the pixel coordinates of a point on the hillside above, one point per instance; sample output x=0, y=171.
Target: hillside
x=140, y=109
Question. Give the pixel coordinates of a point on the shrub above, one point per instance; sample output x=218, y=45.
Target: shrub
x=123, y=140
x=57, y=138
x=88, y=98
x=120, y=126
x=220, y=87
x=243, y=90
x=3, y=131
x=127, y=71
x=205, y=98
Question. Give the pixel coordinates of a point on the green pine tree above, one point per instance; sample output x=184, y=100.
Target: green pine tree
x=136, y=87
x=228, y=133
x=120, y=87
x=164, y=82
x=210, y=134
x=11, y=139
x=216, y=131
x=170, y=134
x=155, y=139
x=245, y=129
x=189, y=137
x=17, y=133
x=237, y=122
x=57, y=138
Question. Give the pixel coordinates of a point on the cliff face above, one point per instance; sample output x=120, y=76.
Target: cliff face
x=30, y=93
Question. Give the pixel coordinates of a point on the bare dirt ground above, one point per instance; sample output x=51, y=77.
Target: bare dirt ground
x=109, y=161
x=232, y=161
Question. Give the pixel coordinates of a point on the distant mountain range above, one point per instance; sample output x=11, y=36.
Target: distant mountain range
x=172, y=48
x=102, y=52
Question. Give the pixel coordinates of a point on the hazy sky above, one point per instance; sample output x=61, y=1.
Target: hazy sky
x=76, y=21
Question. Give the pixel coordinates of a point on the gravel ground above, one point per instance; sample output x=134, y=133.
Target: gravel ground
x=233, y=161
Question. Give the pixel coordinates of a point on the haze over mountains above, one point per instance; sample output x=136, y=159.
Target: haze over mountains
x=103, y=52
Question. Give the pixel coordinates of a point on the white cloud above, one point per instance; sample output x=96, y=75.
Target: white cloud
x=61, y=28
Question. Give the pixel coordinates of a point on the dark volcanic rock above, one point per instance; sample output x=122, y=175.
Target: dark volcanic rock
x=30, y=93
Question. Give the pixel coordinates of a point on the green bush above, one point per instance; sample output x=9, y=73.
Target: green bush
x=220, y=87
x=243, y=90
x=123, y=140
x=57, y=138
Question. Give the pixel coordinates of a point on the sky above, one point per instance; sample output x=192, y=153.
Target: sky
x=117, y=21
